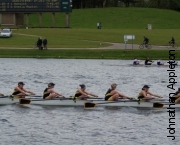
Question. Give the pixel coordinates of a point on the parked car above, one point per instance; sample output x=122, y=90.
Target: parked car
x=6, y=33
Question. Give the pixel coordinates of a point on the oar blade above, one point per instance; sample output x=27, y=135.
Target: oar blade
x=89, y=105
x=158, y=105
x=24, y=101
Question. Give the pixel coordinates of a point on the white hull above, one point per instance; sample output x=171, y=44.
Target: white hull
x=8, y=101
x=152, y=65
x=66, y=103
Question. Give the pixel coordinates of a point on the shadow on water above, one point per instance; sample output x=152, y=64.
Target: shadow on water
x=142, y=111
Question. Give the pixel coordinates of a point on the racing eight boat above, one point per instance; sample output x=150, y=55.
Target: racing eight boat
x=87, y=104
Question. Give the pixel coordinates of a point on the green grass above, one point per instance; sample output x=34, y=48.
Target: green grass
x=116, y=23
x=85, y=54
x=74, y=38
x=114, y=18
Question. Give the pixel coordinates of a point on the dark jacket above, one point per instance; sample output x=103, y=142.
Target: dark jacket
x=45, y=42
x=39, y=43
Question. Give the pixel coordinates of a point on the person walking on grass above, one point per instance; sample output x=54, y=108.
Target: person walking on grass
x=172, y=41
x=45, y=43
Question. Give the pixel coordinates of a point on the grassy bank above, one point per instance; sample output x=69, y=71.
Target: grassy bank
x=85, y=38
x=116, y=23
x=86, y=54
x=114, y=18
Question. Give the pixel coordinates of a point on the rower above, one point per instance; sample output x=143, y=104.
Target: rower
x=1, y=94
x=136, y=61
x=49, y=92
x=159, y=62
x=173, y=62
x=82, y=94
x=113, y=95
x=177, y=96
x=145, y=94
x=20, y=91
x=148, y=62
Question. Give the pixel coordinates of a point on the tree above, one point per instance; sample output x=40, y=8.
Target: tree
x=165, y=4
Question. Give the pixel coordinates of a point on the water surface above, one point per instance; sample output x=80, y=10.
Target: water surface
x=37, y=125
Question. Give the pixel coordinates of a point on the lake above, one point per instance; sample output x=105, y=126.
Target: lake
x=38, y=125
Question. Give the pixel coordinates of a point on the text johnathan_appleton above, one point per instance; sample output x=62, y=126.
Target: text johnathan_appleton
x=172, y=82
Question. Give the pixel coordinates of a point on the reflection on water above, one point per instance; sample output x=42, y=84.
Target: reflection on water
x=37, y=125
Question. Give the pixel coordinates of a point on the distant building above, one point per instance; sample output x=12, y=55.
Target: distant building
x=11, y=19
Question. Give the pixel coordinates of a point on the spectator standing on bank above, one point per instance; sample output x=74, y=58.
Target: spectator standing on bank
x=45, y=43
x=97, y=25
x=100, y=25
x=39, y=43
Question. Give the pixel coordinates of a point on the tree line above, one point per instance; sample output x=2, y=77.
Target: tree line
x=162, y=4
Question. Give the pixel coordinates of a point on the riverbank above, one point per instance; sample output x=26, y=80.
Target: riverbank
x=87, y=54
x=87, y=38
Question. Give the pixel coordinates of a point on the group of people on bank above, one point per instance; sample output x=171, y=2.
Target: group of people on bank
x=81, y=94
x=42, y=43
x=149, y=62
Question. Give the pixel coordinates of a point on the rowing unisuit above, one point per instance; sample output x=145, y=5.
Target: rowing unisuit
x=159, y=62
x=49, y=92
x=82, y=94
x=145, y=94
x=20, y=90
x=136, y=61
x=148, y=62
x=46, y=93
x=113, y=95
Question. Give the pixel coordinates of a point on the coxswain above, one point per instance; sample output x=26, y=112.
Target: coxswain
x=113, y=95
x=82, y=94
x=173, y=62
x=136, y=61
x=1, y=94
x=148, y=62
x=49, y=92
x=145, y=94
x=20, y=91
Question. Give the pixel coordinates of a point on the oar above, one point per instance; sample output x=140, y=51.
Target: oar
x=26, y=101
x=34, y=96
x=4, y=96
x=91, y=105
x=29, y=95
x=158, y=105
x=153, y=99
x=17, y=96
x=87, y=105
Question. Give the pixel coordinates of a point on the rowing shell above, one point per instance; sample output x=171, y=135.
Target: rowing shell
x=86, y=103
x=152, y=65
